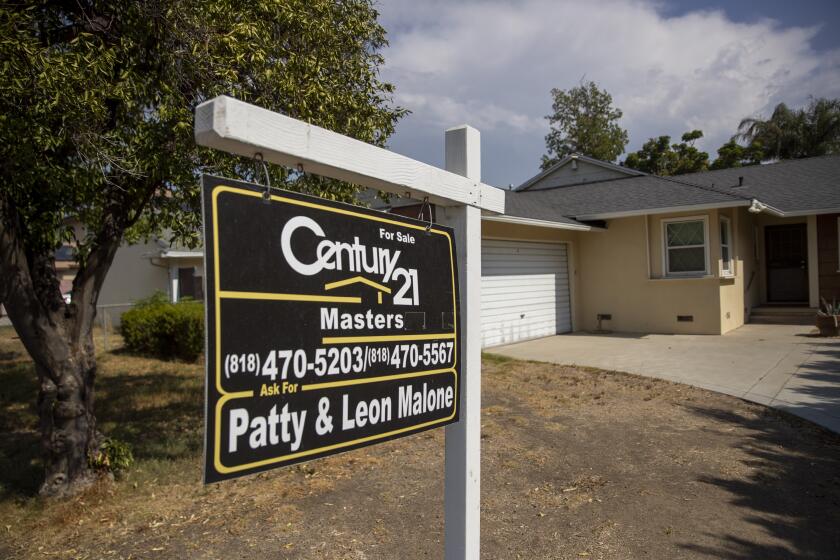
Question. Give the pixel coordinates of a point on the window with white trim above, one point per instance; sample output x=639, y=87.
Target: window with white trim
x=686, y=251
x=726, y=268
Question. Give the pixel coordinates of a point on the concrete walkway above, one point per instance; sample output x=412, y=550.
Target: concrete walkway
x=782, y=366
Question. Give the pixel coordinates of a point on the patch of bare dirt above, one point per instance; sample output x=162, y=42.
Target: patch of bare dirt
x=576, y=463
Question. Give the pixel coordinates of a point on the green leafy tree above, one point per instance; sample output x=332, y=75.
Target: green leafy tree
x=732, y=154
x=653, y=157
x=795, y=133
x=96, y=131
x=585, y=122
x=658, y=156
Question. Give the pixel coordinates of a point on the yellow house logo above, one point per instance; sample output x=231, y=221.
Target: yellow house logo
x=360, y=280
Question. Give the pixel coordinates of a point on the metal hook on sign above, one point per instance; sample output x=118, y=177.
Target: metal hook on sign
x=423, y=207
x=266, y=195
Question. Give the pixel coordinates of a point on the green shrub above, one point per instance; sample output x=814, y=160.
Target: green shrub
x=114, y=456
x=156, y=327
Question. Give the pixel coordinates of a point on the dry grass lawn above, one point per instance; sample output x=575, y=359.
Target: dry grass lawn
x=576, y=463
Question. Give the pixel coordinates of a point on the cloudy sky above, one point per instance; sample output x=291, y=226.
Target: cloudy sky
x=671, y=66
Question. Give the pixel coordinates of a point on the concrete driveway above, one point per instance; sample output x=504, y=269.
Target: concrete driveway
x=782, y=366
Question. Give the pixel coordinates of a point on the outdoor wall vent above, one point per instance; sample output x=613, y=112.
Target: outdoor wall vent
x=685, y=318
x=602, y=317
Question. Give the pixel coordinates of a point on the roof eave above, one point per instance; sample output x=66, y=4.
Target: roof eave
x=665, y=210
x=799, y=213
x=539, y=223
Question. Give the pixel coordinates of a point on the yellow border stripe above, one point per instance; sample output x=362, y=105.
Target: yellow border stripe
x=386, y=338
x=333, y=384
x=225, y=294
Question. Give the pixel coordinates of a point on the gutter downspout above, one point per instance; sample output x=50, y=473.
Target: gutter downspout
x=647, y=246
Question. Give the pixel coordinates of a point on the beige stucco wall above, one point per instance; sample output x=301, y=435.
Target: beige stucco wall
x=732, y=308
x=620, y=272
x=616, y=279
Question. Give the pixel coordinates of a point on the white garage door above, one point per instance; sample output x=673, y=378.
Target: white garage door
x=524, y=290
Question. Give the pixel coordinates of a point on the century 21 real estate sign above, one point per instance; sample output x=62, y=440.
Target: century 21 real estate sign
x=329, y=327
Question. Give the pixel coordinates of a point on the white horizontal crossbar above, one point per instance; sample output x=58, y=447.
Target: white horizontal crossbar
x=237, y=127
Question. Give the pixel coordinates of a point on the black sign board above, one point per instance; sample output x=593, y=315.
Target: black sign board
x=329, y=327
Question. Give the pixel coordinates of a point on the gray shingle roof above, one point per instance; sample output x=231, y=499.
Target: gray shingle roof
x=789, y=186
x=608, y=197
x=534, y=207
x=795, y=185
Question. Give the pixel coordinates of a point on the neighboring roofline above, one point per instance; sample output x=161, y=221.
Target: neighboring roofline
x=180, y=254
x=666, y=210
x=587, y=159
x=539, y=223
x=797, y=213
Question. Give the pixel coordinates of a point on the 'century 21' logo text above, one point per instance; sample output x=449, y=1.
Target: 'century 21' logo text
x=353, y=257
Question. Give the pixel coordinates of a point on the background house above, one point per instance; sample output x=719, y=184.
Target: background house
x=139, y=271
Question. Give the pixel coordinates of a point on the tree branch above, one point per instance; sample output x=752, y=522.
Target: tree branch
x=91, y=275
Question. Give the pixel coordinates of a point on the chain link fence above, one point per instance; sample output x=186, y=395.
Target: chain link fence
x=108, y=320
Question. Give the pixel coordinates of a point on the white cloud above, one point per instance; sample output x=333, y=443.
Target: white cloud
x=492, y=63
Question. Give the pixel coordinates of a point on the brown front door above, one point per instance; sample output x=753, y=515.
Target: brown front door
x=787, y=263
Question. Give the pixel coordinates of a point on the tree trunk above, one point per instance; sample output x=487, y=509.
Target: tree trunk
x=59, y=338
x=65, y=363
x=68, y=426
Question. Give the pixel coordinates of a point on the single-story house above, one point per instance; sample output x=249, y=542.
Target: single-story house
x=589, y=245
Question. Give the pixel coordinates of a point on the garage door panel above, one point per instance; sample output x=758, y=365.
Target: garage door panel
x=523, y=270
x=526, y=281
x=530, y=318
x=530, y=314
x=507, y=251
x=529, y=303
x=504, y=330
x=513, y=283
x=538, y=298
x=515, y=286
x=507, y=332
x=517, y=247
x=527, y=310
x=525, y=291
x=543, y=294
x=533, y=260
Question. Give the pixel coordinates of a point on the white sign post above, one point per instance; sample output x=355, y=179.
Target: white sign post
x=237, y=127
x=462, y=493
